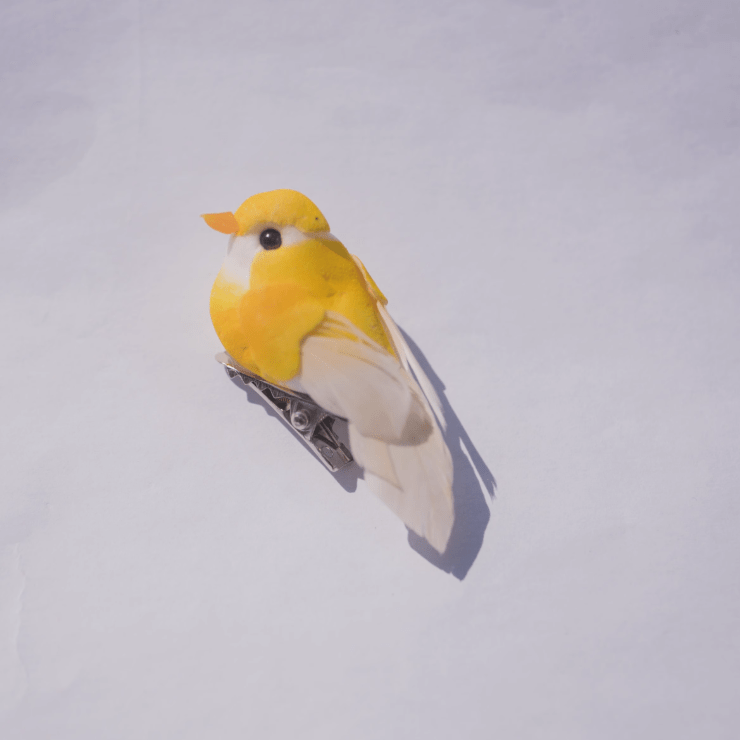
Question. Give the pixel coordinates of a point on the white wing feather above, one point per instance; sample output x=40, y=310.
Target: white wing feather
x=407, y=357
x=393, y=434
x=409, y=361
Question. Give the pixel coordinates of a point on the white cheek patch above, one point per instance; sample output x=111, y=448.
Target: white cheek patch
x=238, y=262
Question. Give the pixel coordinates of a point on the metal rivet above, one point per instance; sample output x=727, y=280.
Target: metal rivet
x=300, y=420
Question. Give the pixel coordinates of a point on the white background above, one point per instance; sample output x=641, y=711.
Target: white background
x=547, y=191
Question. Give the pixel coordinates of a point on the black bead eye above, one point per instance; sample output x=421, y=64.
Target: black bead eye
x=271, y=239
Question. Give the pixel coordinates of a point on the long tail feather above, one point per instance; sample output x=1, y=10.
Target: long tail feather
x=414, y=481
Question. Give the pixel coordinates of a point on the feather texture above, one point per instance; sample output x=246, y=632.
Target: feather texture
x=393, y=433
x=412, y=364
x=400, y=346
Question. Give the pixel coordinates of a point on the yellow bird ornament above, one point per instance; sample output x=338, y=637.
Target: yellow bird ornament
x=293, y=307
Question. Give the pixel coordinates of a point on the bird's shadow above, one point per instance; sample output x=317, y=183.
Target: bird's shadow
x=472, y=480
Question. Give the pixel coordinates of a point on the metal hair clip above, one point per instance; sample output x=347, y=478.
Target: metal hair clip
x=312, y=423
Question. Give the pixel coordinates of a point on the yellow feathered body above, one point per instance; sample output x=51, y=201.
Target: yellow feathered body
x=290, y=290
x=306, y=315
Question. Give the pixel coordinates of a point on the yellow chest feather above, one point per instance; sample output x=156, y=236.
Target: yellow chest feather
x=290, y=290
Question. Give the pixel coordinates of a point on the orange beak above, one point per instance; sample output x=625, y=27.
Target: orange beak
x=226, y=223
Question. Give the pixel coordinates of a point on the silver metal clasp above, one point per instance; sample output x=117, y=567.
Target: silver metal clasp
x=313, y=424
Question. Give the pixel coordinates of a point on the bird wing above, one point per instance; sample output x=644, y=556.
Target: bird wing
x=409, y=361
x=392, y=431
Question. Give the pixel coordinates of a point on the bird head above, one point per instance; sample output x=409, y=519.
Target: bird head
x=278, y=236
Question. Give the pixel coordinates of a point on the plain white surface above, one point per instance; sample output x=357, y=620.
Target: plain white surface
x=547, y=191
